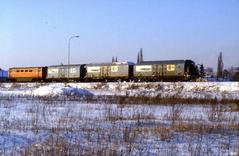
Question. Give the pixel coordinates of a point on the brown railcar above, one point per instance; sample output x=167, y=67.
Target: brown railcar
x=26, y=74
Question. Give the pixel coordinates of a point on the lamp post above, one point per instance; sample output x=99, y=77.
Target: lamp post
x=69, y=47
x=1, y=76
x=69, y=53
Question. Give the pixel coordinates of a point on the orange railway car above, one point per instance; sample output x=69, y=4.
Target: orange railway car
x=26, y=74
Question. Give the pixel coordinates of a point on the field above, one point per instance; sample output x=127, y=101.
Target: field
x=119, y=118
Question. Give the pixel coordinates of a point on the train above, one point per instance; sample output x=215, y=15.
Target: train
x=170, y=70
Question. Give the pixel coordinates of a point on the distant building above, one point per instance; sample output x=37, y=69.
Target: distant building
x=231, y=74
x=235, y=73
x=209, y=72
x=3, y=75
x=236, y=69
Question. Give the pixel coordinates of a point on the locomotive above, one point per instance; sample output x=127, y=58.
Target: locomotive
x=171, y=70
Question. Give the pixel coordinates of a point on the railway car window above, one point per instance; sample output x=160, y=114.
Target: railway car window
x=18, y=71
x=53, y=70
x=22, y=70
x=171, y=67
x=26, y=70
x=30, y=70
x=144, y=68
x=93, y=69
x=114, y=68
x=73, y=70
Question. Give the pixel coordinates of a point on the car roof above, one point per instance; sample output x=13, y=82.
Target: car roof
x=110, y=63
x=162, y=62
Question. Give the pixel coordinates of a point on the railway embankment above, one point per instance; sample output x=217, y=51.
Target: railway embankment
x=143, y=93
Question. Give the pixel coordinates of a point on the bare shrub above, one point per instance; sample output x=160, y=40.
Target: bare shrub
x=175, y=113
x=100, y=85
x=133, y=86
x=164, y=133
x=2, y=85
x=15, y=86
x=219, y=113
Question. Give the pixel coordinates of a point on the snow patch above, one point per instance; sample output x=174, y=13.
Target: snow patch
x=201, y=90
x=55, y=90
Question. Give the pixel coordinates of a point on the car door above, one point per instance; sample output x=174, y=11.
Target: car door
x=62, y=73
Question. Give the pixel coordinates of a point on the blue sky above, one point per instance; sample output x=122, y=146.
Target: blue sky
x=35, y=33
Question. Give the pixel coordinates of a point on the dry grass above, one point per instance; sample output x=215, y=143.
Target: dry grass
x=115, y=131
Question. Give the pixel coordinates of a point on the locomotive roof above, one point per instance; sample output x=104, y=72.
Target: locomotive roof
x=163, y=62
x=110, y=63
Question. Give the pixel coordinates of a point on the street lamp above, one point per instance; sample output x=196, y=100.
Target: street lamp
x=69, y=47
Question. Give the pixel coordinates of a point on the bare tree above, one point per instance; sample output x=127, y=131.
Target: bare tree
x=220, y=66
x=113, y=59
x=140, y=57
x=202, y=71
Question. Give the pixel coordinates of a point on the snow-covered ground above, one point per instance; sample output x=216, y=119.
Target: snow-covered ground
x=43, y=125
x=129, y=129
x=201, y=90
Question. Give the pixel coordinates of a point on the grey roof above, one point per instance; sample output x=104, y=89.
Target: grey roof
x=71, y=65
x=163, y=62
x=110, y=63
